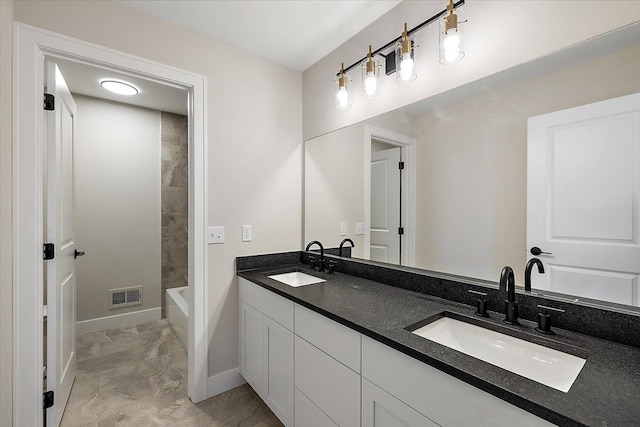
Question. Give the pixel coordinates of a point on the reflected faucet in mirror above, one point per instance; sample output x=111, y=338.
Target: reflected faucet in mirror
x=527, y=272
x=342, y=244
x=508, y=283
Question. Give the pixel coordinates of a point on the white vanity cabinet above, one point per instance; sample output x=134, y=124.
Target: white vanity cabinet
x=266, y=347
x=443, y=399
x=380, y=409
x=327, y=371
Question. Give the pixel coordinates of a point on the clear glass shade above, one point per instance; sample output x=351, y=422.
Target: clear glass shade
x=343, y=92
x=405, y=65
x=451, y=41
x=370, y=78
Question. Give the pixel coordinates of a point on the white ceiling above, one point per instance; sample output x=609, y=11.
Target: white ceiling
x=294, y=33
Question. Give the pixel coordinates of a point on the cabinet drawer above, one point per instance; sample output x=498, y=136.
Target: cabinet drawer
x=273, y=305
x=446, y=400
x=336, y=340
x=309, y=415
x=329, y=384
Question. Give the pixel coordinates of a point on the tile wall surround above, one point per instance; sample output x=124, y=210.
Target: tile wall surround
x=174, y=196
x=621, y=326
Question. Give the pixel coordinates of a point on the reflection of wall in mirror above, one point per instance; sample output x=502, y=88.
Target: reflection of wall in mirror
x=472, y=182
x=334, y=179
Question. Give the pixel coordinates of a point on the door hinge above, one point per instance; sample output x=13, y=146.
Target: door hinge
x=47, y=399
x=49, y=251
x=401, y=230
x=400, y=165
x=49, y=102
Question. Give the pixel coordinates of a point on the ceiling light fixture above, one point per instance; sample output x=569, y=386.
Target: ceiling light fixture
x=404, y=58
x=370, y=76
x=451, y=40
x=343, y=90
x=119, y=87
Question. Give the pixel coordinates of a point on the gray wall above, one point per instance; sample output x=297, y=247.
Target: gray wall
x=174, y=193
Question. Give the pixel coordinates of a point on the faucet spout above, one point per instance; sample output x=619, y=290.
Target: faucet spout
x=527, y=272
x=315, y=242
x=508, y=283
x=342, y=244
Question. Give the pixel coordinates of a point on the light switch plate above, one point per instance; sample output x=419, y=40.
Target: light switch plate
x=343, y=228
x=359, y=228
x=246, y=233
x=215, y=234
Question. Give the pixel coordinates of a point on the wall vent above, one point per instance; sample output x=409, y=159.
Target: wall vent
x=125, y=297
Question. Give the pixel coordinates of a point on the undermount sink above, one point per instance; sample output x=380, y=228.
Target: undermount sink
x=545, y=365
x=296, y=279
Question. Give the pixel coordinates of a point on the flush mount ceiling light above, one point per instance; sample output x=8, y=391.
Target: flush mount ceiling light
x=343, y=90
x=370, y=76
x=398, y=56
x=451, y=40
x=119, y=87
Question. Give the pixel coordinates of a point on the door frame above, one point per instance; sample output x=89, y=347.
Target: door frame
x=407, y=144
x=31, y=45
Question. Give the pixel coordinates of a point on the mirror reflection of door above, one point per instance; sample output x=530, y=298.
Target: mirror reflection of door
x=584, y=199
x=386, y=203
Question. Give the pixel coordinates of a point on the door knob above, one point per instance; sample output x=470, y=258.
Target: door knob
x=537, y=251
x=77, y=253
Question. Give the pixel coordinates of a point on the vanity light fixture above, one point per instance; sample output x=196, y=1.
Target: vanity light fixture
x=370, y=76
x=343, y=90
x=404, y=58
x=451, y=40
x=119, y=87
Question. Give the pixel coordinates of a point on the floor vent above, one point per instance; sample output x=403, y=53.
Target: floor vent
x=125, y=297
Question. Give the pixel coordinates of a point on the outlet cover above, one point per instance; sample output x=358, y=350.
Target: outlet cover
x=215, y=235
x=246, y=233
x=359, y=228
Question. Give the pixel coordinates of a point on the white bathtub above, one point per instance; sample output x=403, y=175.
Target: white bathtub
x=178, y=312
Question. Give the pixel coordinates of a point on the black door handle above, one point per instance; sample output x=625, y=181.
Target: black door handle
x=77, y=253
x=537, y=251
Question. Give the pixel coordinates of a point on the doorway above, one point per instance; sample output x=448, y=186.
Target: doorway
x=32, y=47
x=389, y=197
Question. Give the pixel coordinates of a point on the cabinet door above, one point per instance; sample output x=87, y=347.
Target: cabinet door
x=251, y=346
x=278, y=370
x=380, y=409
x=309, y=415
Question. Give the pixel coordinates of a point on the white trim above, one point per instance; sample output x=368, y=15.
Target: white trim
x=409, y=185
x=31, y=44
x=225, y=381
x=118, y=321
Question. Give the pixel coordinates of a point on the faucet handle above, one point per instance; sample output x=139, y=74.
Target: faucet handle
x=312, y=261
x=331, y=266
x=481, y=304
x=544, y=319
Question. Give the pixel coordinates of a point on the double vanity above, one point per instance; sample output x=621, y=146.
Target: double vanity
x=373, y=345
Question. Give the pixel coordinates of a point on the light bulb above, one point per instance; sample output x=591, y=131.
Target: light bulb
x=406, y=67
x=451, y=46
x=342, y=97
x=370, y=84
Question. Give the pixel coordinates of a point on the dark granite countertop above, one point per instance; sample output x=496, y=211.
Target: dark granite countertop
x=606, y=392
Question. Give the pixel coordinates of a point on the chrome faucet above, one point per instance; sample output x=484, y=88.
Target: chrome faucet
x=342, y=244
x=321, y=260
x=527, y=272
x=508, y=283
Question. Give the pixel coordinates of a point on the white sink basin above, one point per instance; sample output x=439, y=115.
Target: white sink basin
x=545, y=365
x=296, y=279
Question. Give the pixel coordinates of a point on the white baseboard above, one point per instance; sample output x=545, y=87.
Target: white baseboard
x=224, y=381
x=118, y=321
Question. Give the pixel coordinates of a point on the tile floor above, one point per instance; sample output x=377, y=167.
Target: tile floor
x=137, y=377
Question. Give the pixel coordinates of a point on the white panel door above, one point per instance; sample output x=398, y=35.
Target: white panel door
x=278, y=375
x=583, y=199
x=60, y=271
x=385, y=206
x=251, y=346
